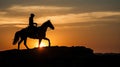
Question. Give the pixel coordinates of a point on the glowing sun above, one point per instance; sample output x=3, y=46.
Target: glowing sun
x=43, y=43
x=34, y=43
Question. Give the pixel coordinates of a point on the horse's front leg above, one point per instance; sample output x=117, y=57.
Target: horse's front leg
x=25, y=40
x=39, y=42
x=48, y=41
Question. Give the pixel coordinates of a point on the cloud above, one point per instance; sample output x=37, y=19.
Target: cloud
x=33, y=8
x=79, y=5
x=67, y=18
x=82, y=17
x=81, y=20
x=13, y=8
x=23, y=11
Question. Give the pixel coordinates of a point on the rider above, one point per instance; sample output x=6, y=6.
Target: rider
x=31, y=21
x=32, y=25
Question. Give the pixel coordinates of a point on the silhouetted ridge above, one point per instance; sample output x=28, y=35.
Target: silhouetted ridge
x=58, y=57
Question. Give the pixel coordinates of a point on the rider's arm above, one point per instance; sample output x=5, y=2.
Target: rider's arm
x=35, y=24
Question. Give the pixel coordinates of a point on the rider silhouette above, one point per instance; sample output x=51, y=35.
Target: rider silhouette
x=31, y=21
x=32, y=25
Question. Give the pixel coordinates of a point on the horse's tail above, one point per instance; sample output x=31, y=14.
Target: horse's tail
x=16, y=38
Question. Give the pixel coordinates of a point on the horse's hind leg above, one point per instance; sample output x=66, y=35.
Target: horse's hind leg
x=19, y=43
x=25, y=43
x=48, y=41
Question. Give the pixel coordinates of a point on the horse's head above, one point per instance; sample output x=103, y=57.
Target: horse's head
x=48, y=22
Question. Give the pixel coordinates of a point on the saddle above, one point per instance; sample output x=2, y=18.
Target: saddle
x=31, y=29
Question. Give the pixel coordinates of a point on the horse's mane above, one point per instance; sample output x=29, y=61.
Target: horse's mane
x=45, y=22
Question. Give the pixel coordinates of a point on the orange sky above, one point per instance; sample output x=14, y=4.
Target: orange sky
x=79, y=23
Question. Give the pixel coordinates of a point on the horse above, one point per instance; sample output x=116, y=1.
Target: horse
x=37, y=33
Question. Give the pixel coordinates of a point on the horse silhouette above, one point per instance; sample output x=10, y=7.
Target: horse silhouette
x=37, y=33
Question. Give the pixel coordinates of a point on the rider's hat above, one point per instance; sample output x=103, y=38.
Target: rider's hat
x=32, y=14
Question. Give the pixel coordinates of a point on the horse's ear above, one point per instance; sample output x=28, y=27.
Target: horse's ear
x=49, y=20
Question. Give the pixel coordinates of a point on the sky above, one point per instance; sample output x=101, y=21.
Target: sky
x=94, y=24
